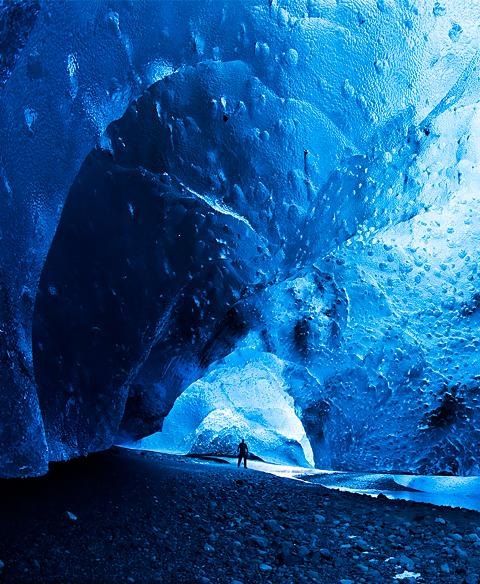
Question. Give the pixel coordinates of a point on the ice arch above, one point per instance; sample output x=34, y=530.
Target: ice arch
x=308, y=125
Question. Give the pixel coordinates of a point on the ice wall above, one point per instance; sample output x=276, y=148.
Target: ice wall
x=382, y=358
x=162, y=163
x=241, y=396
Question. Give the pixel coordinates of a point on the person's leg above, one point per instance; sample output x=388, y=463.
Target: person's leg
x=245, y=461
x=239, y=460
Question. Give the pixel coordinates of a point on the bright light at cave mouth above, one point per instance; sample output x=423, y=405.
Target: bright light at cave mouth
x=243, y=218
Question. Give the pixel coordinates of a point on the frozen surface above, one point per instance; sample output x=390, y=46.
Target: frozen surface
x=448, y=491
x=178, y=176
x=242, y=397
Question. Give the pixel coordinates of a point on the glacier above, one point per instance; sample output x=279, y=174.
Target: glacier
x=193, y=190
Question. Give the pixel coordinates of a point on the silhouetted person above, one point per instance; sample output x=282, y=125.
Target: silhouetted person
x=242, y=450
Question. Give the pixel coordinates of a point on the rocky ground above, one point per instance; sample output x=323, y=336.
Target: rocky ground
x=122, y=516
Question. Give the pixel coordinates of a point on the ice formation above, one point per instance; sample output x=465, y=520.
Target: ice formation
x=243, y=396
x=179, y=176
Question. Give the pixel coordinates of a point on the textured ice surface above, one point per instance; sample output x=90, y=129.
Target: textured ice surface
x=163, y=163
x=463, y=492
x=241, y=397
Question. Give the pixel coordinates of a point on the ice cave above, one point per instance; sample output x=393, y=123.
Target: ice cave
x=241, y=218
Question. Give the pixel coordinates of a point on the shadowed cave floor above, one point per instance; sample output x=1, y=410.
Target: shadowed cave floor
x=149, y=517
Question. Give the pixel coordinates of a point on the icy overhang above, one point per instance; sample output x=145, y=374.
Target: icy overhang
x=229, y=152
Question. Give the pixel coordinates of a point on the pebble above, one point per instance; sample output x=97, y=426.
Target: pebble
x=235, y=546
x=258, y=541
x=406, y=562
x=303, y=551
x=362, y=545
x=456, y=537
x=473, y=537
x=255, y=538
x=445, y=568
x=272, y=526
x=326, y=554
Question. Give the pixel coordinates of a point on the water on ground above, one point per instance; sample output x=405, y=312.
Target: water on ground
x=463, y=492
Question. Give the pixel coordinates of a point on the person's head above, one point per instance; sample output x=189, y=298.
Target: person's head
x=243, y=439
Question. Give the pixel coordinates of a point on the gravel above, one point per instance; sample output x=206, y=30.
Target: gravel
x=151, y=518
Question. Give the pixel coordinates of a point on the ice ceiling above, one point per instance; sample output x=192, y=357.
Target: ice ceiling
x=277, y=201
